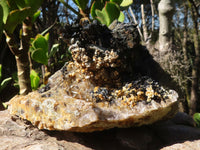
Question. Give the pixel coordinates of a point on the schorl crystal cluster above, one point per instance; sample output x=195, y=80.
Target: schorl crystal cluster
x=100, y=88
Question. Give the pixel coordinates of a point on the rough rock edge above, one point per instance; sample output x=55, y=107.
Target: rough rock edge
x=98, y=118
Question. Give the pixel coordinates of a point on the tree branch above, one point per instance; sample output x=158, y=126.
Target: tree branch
x=69, y=7
x=195, y=7
x=135, y=21
x=153, y=14
x=12, y=44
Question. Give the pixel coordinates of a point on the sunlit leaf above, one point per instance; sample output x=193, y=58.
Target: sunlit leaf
x=46, y=36
x=121, y=17
x=4, y=83
x=6, y=10
x=102, y=17
x=5, y=105
x=35, y=16
x=125, y=3
x=14, y=18
x=35, y=79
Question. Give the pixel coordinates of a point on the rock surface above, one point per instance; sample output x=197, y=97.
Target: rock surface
x=100, y=88
x=17, y=134
x=62, y=112
x=188, y=145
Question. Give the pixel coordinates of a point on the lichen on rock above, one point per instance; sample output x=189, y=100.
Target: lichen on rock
x=100, y=88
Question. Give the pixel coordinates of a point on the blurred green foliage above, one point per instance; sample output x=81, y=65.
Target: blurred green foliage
x=12, y=13
x=105, y=11
x=196, y=118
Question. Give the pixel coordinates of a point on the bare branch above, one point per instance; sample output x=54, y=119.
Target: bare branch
x=135, y=21
x=145, y=33
x=153, y=14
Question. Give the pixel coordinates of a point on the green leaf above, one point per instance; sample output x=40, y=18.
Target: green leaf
x=4, y=83
x=96, y=5
x=40, y=42
x=54, y=49
x=5, y=105
x=35, y=79
x=33, y=4
x=31, y=49
x=117, y=1
x=196, y=118
x=81, y=3
x=39, y=49
x=102, y=17
x=109, y=13
x=125, y=4
x=35, y=16
x=31, y=40
x=46, y=36
x=14, y=18
x=121, y=17
x=40, y=56
x=113, y=11
x=6, y=9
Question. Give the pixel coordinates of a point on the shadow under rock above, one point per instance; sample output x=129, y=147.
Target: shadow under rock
x=171, y=133
x=150, y=137
x=141, y=138
x=102, y=140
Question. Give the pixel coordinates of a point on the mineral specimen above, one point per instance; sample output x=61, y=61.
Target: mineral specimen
x=99, y=89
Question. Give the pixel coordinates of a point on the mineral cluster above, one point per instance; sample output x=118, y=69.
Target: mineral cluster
x=100, y=88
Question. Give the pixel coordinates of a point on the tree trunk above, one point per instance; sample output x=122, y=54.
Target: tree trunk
x=166, y=10
x=185, y=33
x=195, y=69
x=21, y=55
x=23, y=73
x=185, y=52
x=23, y=64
